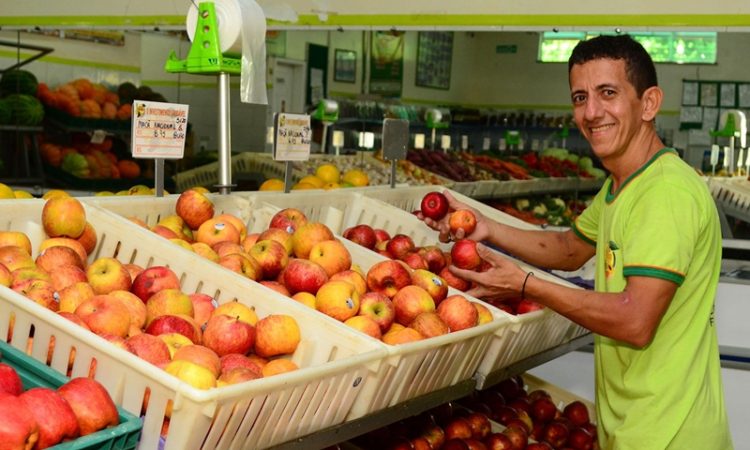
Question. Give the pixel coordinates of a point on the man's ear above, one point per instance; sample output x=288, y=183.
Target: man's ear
x=651, y=101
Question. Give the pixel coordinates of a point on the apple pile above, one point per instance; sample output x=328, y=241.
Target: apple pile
x=143, y=310
x=42, y=417
x=534, y=416
x=303, y=260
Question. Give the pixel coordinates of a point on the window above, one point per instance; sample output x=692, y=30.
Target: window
x=664, y=47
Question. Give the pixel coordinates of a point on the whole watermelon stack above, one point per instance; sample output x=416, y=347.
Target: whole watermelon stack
x=18, y=81
x=24, y=109
x=18, y=102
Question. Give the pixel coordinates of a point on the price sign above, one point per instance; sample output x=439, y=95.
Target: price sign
x=98, y=136
x=395, y=139
x=292, y=137
x=486, y=143
x=159, y=129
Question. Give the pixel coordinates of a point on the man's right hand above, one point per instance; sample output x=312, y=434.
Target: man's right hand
x=480, y=233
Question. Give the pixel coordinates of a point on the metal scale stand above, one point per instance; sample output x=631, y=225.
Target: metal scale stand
x=205, y=58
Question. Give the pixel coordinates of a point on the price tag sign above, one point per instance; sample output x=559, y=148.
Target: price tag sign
x=159, y=129
x=395, y=139
x=486, y=143
x=98, y=136
x=292, y=137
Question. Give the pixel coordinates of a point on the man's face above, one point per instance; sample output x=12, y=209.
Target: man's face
x=606, y=107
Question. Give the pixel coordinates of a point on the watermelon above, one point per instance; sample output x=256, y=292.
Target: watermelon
x=25, y=109
x=18, y=81
x=5, y=113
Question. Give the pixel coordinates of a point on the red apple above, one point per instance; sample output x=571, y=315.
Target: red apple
x=108, y=274
x=271, y=255
x=458, y=312
x=91, y=404
x=104, y=314
x=580, y=439
x=288, y=219
x=201, y=355
x=458, y=428
x=429, y=324
x=388, y=277
x=365, y=325
x=15, y=239
x=480, y=425
x=19, y=429
x=526, y=305
x=203, y=306
x=194, y=208
x=66, y=275
x=181, y=324
x=410, y=301
x=434, y=205
x=354, y=277
x=236, y=221
x=332, y=256
x=577, y=413
x=10, y=382
x=55, y=417
x=379, y=308
x=543, y=410
x=539, y=446
x=88, y=238
x=148, y=347
x=275, y=234
x=434, y=258
x=59, y=255
x=381, y=235
x=152, y=280
x=415, y=261
x=361, y=234
x=243, y=264
x=498, y=441
x=276, y=334
x=556, y=433
x=463, y=219
x=433, y=284
x=518, y=436
x=464, y=254
x=454, y=281
x=399, y=245
x=235, y=360
x=302, y=275
x=338, y=299
x=237, y=375
x=215, y=230
x=63, y=217
x=225, y=335
x=307, y=235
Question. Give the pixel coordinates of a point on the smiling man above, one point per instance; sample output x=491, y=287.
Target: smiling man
x=655, y=232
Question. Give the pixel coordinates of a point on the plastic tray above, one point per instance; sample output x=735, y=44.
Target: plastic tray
x=411, y=369
x=335, y=361
x=124, y=436
x=530, y=334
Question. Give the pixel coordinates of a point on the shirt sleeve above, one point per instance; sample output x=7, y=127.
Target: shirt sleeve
x=660, y=238
x=586, y=225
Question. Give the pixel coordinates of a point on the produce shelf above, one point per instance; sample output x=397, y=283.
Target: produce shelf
x=124, y=436
x=335, y=362
x=348, y=430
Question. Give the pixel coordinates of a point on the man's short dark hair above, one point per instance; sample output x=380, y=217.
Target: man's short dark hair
x=639, y=67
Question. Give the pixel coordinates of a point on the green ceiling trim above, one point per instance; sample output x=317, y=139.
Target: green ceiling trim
x=89, y=21
x=413, y=20
x=536, y=20
x=71, y=62
x=187, y=84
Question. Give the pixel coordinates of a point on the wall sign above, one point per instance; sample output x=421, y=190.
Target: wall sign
x=434, y=56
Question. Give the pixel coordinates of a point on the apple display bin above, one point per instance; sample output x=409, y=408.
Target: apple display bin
x=529, y=333
x=411, y=369
x=335, y=361
x=33, y=373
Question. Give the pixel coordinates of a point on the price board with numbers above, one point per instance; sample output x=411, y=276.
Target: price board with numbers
x=159, y=129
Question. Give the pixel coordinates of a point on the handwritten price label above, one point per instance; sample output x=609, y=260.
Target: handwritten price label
x=159, y=129
x=292, y=137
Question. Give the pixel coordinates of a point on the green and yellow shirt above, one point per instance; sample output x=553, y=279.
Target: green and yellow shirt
x=662, y=222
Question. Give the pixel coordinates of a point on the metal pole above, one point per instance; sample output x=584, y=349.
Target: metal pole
x=225, y=142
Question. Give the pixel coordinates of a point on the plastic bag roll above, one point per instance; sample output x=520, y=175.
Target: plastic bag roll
x=242, y=31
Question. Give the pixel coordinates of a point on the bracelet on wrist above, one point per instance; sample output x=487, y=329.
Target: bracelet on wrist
x=523, y=287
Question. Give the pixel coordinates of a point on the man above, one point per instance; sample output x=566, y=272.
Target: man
x=655, y=232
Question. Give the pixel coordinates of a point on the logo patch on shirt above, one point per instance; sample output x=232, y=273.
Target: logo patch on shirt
x=611, y=259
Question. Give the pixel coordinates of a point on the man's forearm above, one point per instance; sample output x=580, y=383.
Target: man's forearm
x=545, y=249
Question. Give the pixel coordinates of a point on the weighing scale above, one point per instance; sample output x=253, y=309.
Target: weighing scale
x=732, y=125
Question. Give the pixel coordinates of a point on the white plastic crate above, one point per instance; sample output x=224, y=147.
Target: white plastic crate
x=411, y=369
x=530, y=333
x=335, y=361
